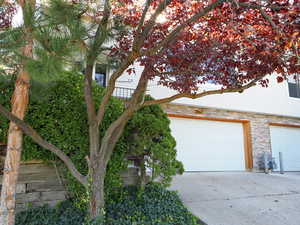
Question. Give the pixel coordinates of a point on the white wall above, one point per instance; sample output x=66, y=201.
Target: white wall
x=131, y=80
x=272, y=100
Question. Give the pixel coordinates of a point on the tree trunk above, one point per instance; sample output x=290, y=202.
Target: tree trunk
x=14, y=147
x=97, y=169
x=100, y=158
x=97, y=190
x=19, y=104
x=143, y=175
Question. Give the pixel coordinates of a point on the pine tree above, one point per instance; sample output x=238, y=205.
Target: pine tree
x=26, y=50
x=19, y=104
x=51, y=39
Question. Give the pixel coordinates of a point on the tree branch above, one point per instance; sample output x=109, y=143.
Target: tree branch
x=28, y=130
x=140, y=38
x=202, y=94
x=269, y=19
x=256, y=6
x=99, y=39
x=100, y=36
x=142, y=20
x=88, y=96
x=179, y=28
x=115, y=130
x=202, y=13
x=132, y=57
x=112, y=84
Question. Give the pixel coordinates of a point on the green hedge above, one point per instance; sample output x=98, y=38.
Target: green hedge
x=155, y=206
x=63, y=214
x=149, y=138
x=58, y=112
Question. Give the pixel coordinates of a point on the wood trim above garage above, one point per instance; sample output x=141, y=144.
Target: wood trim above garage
x=246, y=132
x=284, y=125
x=207, y=118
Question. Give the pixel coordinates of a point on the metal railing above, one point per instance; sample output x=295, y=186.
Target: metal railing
x=123, y=93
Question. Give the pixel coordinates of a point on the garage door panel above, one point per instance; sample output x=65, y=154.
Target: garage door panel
x=287, y=141
x=209, y=145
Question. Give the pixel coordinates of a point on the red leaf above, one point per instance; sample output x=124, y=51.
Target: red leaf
x=280, y=79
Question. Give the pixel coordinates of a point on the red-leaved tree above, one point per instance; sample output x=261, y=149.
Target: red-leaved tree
x=183, y=44
x=7, y=12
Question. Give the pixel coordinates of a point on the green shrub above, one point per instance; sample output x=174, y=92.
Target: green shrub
x=151, y=142
x=64, y=214
x=58, y=112
x=155, y=206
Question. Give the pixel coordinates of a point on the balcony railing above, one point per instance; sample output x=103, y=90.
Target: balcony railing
x=123, y=93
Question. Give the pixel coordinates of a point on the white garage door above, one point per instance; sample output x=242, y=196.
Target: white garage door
x=204, y=145
x=287, y=141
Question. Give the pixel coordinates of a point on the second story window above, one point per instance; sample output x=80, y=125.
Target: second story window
x=294, y=87
x=101, y=74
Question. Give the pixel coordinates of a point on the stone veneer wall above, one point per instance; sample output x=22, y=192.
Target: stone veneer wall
x=40, y=184
x=259, y=124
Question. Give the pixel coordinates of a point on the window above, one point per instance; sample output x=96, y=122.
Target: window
x=294, y=87
x=100, y=74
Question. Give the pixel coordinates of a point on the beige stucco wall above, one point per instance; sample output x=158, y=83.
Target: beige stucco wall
x=274, y=99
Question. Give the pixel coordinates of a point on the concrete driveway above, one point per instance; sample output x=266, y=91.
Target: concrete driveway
x=220, y=198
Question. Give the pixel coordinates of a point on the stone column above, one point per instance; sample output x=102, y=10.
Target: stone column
x=261, y=141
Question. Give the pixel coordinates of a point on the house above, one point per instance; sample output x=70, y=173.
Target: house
x=229, y=132
x=232, y=132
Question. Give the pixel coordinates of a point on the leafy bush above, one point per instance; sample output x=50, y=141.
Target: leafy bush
x=155, y=206
x=64, y=214
x=152, y=145
x=58, y=112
